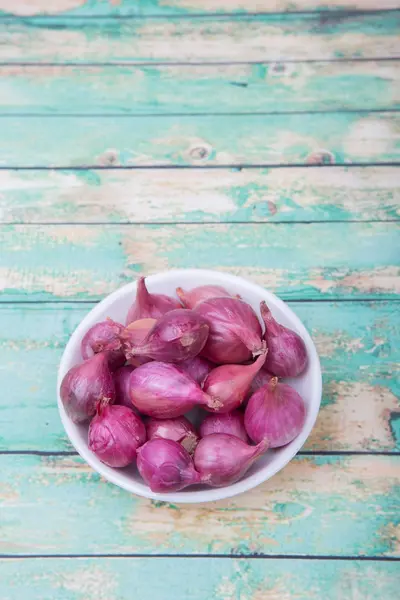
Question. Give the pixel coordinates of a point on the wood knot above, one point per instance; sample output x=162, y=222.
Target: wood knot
x=108, y=158
x=320, y=157
x=277, y=68
x=199, y=153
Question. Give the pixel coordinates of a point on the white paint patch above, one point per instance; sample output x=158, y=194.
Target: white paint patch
x=357, y=420
x=35, y=7
x=90, y=583
x=371, y=137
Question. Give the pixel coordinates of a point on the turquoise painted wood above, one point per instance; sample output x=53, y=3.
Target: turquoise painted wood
x=185, y=7
x=200, y=195
x=222, y=579
x=206, y=140
x=358, y=344
x=245, y=38
x=59, y=505
x=297, y=261
x=184, y=89
x=83, y=232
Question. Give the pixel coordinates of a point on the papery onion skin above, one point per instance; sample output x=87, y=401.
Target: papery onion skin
x=228, y=385
x=139, y=330
x=190, y=298
x=235, y=332
x=85, y=385
x=164, y=391
x=115, y=433
x=222, y=459
x=197, y=368
x=275, y=411
x=177, y=336
x=148, y=305
x=287, y=356
x=122, y=389
x=231, y=423
x=166, y=466
x=104, y=337
x=179, y=430
x=135, y=334
x=260, y=379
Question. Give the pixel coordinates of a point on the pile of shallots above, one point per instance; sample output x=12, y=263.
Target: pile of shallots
x=138, y=381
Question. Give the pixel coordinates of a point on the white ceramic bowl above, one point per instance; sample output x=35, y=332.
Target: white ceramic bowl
x=116, y=306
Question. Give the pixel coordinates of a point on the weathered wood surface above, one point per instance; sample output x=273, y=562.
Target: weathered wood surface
x=184, y=89
x=318, y=505
x=245, y=38
x=185, y=7
x=297, y=261
x=358, y=343
x=340, y=506
x=200, y=195
x=204, y=578
x=206, y=140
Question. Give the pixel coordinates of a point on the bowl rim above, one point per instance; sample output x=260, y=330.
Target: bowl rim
x=211, y=494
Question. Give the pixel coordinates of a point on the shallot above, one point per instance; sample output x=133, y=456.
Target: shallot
x=260, y=379
x=149, y=305
x=198, y=368
x=121, y=382
x=276, y=412
x=115, y=433
x=164, y=391
x=231, y=423
x=85, y=385
x=179, y=429
x=177, y=336
x=192, y=297
x=228, y=384
x=287, y=354
x=222, y=459
x=235, y=332
x=135, y=334
x=166, y=466
x=103, y=337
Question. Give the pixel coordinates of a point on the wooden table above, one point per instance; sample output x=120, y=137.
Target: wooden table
x=143, y=135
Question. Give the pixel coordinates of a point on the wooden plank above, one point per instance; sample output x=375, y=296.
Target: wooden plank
x=181, y=579
x=287, y=514
x=204, y=140
x=245, y=38
x=200, y=195
x=299, y=261
x=185, y=7
x=358, y=343
x=186, y=89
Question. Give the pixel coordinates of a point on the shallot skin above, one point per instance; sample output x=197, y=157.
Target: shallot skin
x=148, y=305
x=121, y=382
x=177, y=336
x=164, y=391
x=276, y=412
x=104, y=337
x=228, y=385
x=85, y=385
x=197, y=368
x=260, y=379
x=235, y=332
x=287, y=353
x=166, y=466
x=190, y=298
x=115, y=434
x=179, y=430
x=231, y=423
x=135, y=334
x=222, y=459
